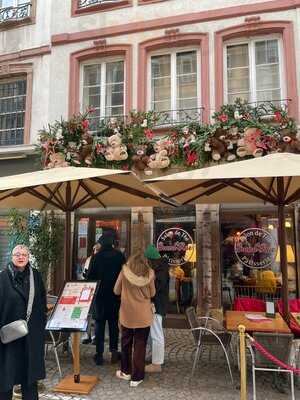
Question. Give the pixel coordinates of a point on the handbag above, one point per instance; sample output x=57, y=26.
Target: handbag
x=19, y=328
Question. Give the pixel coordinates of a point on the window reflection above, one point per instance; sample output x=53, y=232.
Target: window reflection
x=239, y=280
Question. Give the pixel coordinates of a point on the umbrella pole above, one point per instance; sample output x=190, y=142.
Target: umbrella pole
x=282, y=247
x=68, y=258
x=68, y=261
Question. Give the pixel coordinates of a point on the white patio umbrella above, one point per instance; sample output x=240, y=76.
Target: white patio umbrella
x=70, y=188
x=273, y=179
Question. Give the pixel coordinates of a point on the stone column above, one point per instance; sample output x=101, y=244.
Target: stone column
x=208, y=257
x=141, y=227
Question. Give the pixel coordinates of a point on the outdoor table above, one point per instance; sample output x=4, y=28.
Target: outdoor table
x=235, y=318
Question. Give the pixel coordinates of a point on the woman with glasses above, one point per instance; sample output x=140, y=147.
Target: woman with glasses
x=22, y=360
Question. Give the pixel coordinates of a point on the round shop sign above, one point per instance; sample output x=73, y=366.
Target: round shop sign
x=255, y=248
x=173, y=244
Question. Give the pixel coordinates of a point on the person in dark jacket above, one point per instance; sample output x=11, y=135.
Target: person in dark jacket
x=22, y=361
x=105, y=267
x=160, y=301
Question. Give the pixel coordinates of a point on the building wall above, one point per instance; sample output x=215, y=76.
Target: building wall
x=56, y=34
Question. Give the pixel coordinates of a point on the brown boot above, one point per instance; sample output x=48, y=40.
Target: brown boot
x=153, y=368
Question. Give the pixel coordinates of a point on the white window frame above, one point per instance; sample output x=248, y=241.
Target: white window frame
x=16, y=3
x=252, y=67
x=102, y=62
x=173, y=53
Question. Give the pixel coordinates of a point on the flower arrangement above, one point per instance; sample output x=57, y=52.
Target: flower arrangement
x=239, y=131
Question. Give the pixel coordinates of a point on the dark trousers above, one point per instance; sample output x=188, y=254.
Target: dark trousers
x=100, y=334
x=133, y=342
x=28, y=393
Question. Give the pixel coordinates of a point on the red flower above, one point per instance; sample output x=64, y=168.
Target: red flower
x=149, y=134
x=125, y=167
x=191, y=158
x=278, y=116
x=223, y=118
x=85, y=124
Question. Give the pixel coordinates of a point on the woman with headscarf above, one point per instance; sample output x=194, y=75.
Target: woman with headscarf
x=22, y=360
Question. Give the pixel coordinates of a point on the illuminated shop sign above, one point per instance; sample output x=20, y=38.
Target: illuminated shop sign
x=174, y=245
x=255, y=248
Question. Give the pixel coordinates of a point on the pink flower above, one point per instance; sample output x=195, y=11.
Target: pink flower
x=85, y=124
x=125, y=167
x=91, y=110
x=149, y=134
x=223, y=118
x=100, y=148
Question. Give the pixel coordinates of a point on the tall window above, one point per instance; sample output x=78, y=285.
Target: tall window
x=87, y=3
x=14, y=10
x=103, y=90
x=174, y=83
x=12, y=111
x=254, y=70
x=13, y=3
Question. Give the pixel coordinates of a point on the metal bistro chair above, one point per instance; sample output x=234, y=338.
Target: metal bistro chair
x=279, y=345
x=208, y=332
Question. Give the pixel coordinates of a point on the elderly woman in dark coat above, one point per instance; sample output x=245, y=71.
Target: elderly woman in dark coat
x=22, y=361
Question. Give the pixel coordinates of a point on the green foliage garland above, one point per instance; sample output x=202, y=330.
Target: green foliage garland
x=239, y=131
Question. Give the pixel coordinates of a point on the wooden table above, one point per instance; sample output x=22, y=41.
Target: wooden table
x=235, y=318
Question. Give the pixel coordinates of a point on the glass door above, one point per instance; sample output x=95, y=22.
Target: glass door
x=175, y=240
x=90, y=228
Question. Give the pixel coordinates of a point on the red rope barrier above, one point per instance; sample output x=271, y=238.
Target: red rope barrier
x=272, y=358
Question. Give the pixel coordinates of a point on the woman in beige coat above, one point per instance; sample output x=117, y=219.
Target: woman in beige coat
x=136, y=286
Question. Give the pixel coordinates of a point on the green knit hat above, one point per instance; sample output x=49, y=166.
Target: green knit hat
x=151, y=252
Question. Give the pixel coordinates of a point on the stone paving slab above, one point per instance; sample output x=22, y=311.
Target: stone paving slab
x=211, y=380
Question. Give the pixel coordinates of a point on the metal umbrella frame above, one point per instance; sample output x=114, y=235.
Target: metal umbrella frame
x=70, y=188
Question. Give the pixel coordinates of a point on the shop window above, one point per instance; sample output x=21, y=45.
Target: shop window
x=12, y=110
x=14, y=11
x=244, y=255
x=253, y=70
x=174, y=84
x=103, y=90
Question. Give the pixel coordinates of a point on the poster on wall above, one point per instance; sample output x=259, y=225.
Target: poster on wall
x=73, y=307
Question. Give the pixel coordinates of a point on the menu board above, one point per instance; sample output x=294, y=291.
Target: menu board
x=72, y=309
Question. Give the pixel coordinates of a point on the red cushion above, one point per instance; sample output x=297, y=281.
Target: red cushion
x=294, y=305
x=249, y=304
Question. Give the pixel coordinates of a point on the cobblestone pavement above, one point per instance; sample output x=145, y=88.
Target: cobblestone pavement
x=211, y=380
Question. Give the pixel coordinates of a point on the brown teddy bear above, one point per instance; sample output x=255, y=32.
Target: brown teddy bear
x=86, y=151
x=217, y=147
x=140, y=159
x=289, y=143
